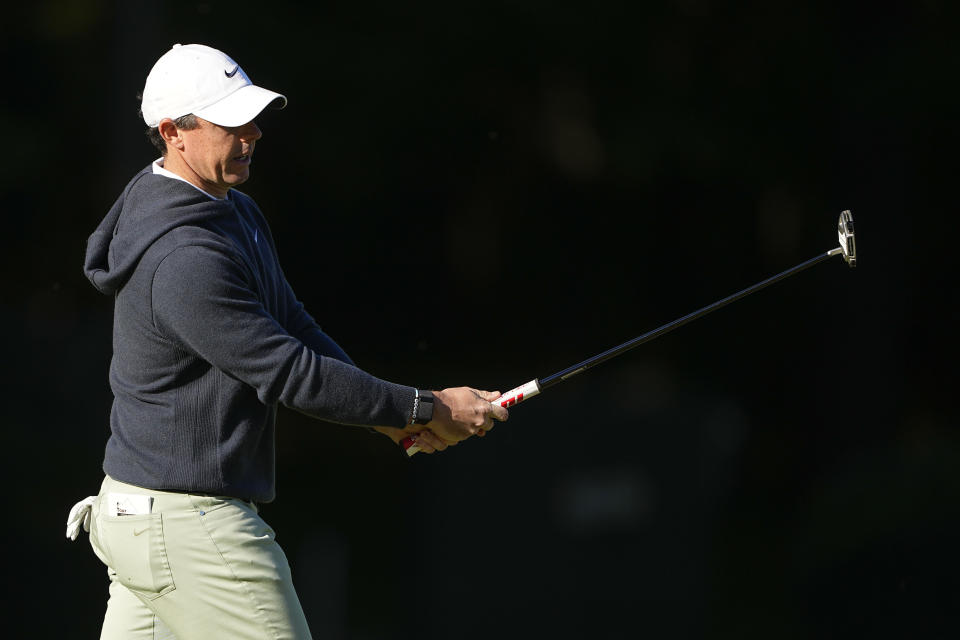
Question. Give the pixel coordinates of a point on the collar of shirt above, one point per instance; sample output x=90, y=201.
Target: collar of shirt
x=160, y=171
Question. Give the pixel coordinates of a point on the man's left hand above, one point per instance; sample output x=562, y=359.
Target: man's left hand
x=427, y=441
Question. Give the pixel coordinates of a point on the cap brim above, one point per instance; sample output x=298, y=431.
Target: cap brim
x=241, y=106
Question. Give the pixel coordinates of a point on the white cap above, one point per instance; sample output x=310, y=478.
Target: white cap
x=197, y=79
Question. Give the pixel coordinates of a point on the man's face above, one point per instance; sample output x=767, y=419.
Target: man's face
x=218, y=157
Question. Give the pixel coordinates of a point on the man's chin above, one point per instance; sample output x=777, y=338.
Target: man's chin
x=236, y=179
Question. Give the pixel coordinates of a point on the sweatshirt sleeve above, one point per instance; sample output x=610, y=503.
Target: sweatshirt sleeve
x=201, y=300
x=302, y=326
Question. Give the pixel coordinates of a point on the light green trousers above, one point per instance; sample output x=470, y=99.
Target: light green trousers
x=196, y=567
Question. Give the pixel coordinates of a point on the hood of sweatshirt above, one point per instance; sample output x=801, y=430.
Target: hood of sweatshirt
x=150, y=206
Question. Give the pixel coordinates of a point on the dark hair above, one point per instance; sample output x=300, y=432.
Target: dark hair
x=186, y=122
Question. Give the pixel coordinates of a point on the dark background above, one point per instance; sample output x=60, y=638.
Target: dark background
x=484, y=192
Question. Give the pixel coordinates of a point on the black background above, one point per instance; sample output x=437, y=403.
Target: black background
x=483, y=193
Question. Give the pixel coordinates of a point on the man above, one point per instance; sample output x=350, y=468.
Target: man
x=208, y=340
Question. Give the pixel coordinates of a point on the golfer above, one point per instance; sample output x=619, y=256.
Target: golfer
x=208, y=338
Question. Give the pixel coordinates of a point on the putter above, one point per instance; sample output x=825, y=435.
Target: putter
x=847, y=248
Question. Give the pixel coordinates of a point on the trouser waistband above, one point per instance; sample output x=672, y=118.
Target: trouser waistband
x=164, y=498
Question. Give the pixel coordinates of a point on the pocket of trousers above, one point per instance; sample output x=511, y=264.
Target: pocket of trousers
x=138, y=554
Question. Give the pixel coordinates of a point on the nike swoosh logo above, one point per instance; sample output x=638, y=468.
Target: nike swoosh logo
x=232, y=73
x=136, y=533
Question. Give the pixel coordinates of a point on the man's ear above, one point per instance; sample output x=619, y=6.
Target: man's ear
x=170, y=133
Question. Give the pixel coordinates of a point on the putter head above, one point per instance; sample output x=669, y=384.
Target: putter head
x=847, y=242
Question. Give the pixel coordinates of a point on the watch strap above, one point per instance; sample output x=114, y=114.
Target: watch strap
x=423, y=407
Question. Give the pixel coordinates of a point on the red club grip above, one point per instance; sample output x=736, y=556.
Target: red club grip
x=508, y=399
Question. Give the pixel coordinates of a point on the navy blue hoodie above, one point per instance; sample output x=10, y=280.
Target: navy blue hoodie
x=208, y=338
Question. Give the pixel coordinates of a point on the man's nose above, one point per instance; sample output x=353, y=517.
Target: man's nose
x=250, y=131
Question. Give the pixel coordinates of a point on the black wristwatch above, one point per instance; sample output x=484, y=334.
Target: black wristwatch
x=424, y=407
